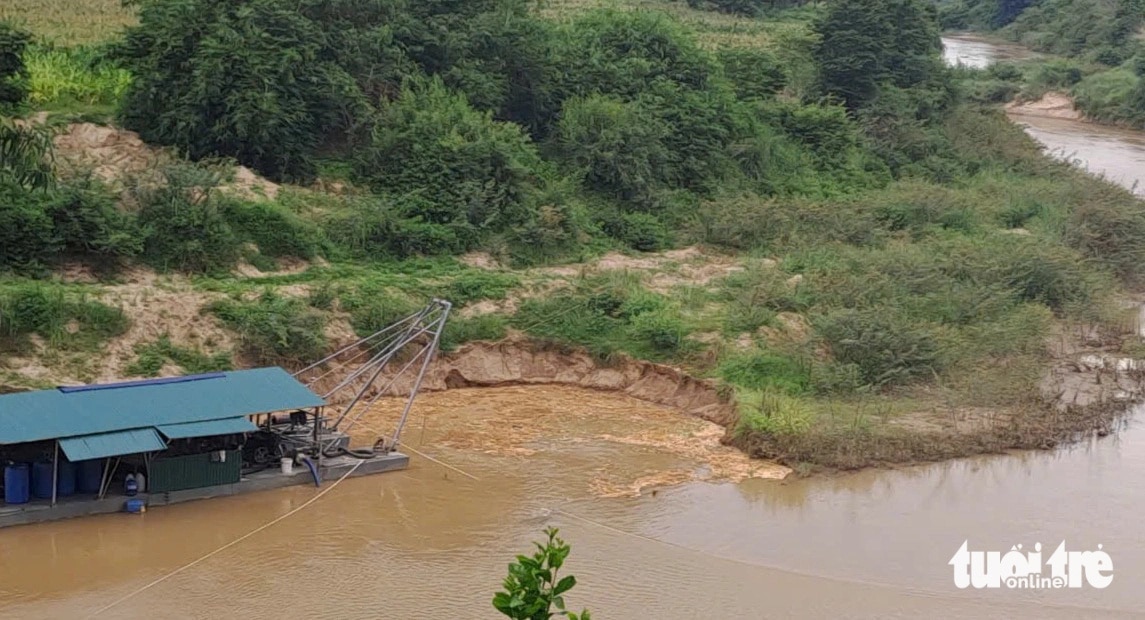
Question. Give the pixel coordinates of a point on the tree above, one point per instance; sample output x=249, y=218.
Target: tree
x=865, y=44
x=532, y=589
x=25, y=155
x=13, y=73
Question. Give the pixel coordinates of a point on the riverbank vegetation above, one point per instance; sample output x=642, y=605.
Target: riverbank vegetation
x=1097, y=48
x=800, y=202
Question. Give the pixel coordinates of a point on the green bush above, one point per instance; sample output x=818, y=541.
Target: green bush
x=65, y=76
x=867, y=45
x=639, y=231
x=28, y=239
x=275, y=329
x=755, y=73
x=476, y=285
x=88, y=222
x=13, y=72
x=765, y=370
x=458, y=330
x=886, y=348
x=185, y=227
x=457, y=166
x=624, y=53
x=373, y=309
x=617, y=147
x=151, y=357
x=252, y=80
x=65, y=318
x=275, y=229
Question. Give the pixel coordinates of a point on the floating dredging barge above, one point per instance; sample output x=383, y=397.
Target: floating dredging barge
x=92, y=449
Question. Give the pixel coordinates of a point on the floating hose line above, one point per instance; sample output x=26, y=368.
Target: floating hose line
x=223, y=548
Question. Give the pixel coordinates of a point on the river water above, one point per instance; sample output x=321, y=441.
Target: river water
x=1117, y=154
x=727, y=540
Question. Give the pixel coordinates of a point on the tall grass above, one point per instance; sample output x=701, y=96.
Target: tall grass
x=63, y=316
x=73, y=77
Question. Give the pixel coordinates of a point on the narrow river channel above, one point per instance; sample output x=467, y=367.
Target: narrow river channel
x=431, y=543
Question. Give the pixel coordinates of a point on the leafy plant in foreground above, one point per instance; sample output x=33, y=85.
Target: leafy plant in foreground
x=532, y=588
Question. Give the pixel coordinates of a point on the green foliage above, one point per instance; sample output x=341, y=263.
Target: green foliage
x=617, y=147
x=772, y=412
x=459, y=172
x=252, y=80
x=275, y=329
x=607, y=316
x=87, y=222
x=184, y=225
x=639, y=231
x=625, y=53
x=1114, y=96
x=886, y=348
x=151, y=357
x=754, y=73
x=25, y=155
x=71, y=77
x=372, y=309
x=458, y=330
x=13, y=72
x=275, y=229
x=476, y=285
x=64, y=317
x=868, y=44
x=532, y=590
x=767, y=371
x=27, y=238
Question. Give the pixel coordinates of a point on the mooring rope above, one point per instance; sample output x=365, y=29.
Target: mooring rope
x=443, y=464
x=226, y=546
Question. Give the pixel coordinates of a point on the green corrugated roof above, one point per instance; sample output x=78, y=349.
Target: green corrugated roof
x=225, y=426
x=90, y=410
x=112, y=444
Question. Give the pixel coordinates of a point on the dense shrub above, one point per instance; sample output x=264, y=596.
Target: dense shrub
x=755, y=73
x=886, y=348
x=866, y=44
x=617, y=147
x=275, y=329
x=54, y=312
x=272, y=227
x=766, y=370
x=87, y=221
x=27, y=237
x=184, y=226
x=463, y=168
x=251, y=80
x=13, y=73
x=623, y=53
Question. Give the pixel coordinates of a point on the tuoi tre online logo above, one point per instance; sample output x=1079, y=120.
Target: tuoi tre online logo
x=1016, y=569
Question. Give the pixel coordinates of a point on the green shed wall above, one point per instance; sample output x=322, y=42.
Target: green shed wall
x=193, y=471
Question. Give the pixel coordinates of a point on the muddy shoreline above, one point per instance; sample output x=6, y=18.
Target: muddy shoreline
x=1085, y=389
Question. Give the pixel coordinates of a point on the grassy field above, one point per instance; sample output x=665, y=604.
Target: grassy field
x=65, y=22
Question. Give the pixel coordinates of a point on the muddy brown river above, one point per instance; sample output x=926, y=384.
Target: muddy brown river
x=663, y=521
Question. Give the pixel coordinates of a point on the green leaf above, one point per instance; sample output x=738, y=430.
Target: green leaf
x=564, y=585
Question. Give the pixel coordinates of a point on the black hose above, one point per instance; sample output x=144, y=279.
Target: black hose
x=359, y=453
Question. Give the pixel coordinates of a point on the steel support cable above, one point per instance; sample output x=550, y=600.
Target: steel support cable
x=340, y=365
x=358, y=343
x=378, y=372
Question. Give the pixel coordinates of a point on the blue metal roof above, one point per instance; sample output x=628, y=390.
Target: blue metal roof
x=103, y=445
x=226, y=426
x=89, y=410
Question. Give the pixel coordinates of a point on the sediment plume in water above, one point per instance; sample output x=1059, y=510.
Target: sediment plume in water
x=521, y=422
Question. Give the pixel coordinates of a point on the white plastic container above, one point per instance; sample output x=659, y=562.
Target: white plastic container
x=141, y=480
x=287, y=465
